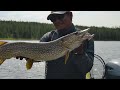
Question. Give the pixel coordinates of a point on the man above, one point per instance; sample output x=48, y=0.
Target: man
x=80, y=60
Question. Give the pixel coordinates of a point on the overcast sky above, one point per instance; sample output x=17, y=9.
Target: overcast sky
x=86, y=18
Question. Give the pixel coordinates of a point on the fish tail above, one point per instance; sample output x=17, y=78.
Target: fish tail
x=1, y=61
x=2, y=43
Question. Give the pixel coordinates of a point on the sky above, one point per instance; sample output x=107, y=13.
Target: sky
x=84, y=18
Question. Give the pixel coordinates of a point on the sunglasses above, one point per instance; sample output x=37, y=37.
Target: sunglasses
x=55, y=17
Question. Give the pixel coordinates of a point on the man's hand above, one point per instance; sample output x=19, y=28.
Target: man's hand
x=79, y=50
x=21, y=58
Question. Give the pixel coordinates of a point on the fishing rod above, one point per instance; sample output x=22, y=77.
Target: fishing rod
x=98, y=58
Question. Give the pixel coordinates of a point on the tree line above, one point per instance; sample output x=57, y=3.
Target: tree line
x=23, y=30
x=34, y=30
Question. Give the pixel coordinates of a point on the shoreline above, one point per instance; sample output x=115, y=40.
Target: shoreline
x=15, y=39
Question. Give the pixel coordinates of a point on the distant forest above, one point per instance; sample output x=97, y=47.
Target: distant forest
x=35, y=30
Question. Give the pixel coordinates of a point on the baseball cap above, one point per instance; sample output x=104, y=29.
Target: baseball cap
x=56, y=12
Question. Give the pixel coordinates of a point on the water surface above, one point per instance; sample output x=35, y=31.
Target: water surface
x=15, y=69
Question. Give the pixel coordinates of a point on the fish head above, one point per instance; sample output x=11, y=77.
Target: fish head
x=75, y=39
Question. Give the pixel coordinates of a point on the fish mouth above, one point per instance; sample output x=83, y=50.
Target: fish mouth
x=85, y=30
x=82, y=32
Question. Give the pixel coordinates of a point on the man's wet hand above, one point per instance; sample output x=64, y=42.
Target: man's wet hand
x=20, y=57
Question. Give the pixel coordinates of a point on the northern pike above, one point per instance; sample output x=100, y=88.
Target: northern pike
x=43, y=51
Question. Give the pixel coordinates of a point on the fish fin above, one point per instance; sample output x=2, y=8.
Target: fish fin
x=88, y=75
x=1, y=61
x=2, y=43
x=67, y=56
x=29, y=64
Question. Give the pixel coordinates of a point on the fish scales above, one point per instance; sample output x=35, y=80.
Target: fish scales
x=36, y=51
x=44, y=51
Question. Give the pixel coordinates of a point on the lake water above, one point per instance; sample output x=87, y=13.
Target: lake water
x=15, y=69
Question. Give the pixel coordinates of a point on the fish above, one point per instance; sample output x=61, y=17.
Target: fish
x=43, y=51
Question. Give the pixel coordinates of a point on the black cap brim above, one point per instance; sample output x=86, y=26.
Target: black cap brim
x=55, y=12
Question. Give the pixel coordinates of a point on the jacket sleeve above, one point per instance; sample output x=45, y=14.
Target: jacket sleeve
x=45, y=37
x=90, y=49
x=89, y=52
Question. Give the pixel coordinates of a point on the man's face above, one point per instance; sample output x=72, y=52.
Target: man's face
x=61, y=21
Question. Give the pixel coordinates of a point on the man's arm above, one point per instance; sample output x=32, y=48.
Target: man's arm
x=85, y=57
x=45, y=37
x=90, y=49
x=90, y=53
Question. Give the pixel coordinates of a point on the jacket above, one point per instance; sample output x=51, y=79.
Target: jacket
x=79, y=63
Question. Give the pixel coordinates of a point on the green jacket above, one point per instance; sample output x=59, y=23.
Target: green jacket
x=79, y=63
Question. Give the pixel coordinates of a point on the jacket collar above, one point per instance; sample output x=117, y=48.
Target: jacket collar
x=64, y=32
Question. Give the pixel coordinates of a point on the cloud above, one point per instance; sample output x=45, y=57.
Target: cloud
x=36, y=16
x=97, y=18
x=87, y=18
